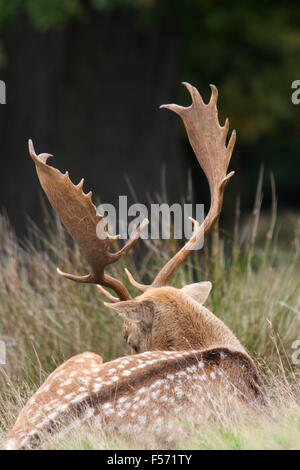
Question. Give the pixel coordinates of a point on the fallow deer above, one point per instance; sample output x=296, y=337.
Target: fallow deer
x=185, y=357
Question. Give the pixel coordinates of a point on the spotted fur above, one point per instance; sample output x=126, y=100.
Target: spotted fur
x=132, y=393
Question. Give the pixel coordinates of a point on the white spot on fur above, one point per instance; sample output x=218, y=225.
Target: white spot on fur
x=126, y=373
x=70, y=396
x=158, y=383
x=181, y=373
x=96, y=388
x=79, y=398
x=63, y=407
x=67, y=382
x=106, y=406
x=122, y=399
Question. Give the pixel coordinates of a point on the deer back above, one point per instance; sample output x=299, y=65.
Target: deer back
x=132, y=394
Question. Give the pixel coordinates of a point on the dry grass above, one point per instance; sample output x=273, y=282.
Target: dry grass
x=276, y=427
x=45, y=319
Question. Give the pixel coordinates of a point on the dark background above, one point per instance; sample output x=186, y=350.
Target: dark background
x=84, y=80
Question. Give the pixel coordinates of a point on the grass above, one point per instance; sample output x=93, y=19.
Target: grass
x=45, y=319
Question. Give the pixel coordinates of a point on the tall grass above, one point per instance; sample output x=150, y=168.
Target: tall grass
x=45, y=319
x=275, y=428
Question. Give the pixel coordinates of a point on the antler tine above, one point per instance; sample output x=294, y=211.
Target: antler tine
x=78, y=213
x=132, y=240
x=88, y=278
x=141, y=287
x=107, y=294
x=208, y=140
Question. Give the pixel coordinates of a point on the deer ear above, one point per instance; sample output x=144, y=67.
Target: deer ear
x=126, y=307
x=198, y=291
x=134, y=310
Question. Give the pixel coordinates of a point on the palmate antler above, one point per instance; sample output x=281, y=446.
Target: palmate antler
x=208, y=140
x=78, y=213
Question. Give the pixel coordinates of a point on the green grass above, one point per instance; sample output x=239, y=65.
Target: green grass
x=45, y=319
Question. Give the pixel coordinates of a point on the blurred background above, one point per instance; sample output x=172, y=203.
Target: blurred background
x=85, y=78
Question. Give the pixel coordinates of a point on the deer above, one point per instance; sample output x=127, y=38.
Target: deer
x=182, y=355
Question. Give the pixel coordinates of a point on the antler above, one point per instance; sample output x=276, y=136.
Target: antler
x=78, y=213
x=208, y=140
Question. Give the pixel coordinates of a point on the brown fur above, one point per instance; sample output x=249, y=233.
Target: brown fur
x=166, y=318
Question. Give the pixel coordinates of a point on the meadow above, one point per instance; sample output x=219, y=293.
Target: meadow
x=254, y=268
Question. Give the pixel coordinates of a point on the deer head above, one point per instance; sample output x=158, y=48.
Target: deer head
x=161, y=317
x=166, y=318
